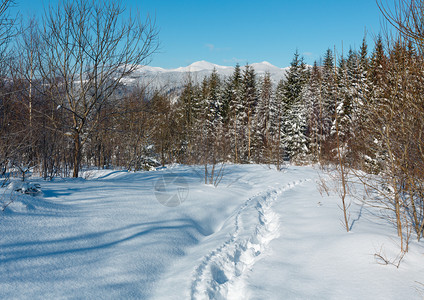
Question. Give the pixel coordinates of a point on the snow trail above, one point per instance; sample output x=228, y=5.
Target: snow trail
x=221, y=273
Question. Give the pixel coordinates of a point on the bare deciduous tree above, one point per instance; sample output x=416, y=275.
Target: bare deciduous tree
x=407, y=16
x=89, y=50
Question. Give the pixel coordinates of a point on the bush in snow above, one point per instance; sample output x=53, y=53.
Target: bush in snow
x=25, y=187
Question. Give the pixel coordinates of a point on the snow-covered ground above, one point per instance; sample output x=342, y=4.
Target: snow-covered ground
x=261, y=234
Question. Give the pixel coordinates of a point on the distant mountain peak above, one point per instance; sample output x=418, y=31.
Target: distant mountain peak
x=202, y=64
x=199, y=66
x=173, y=79
x=265, y=67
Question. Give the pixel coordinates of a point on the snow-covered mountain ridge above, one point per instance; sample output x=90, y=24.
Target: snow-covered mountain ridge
x=200, y=66
x=174, y=79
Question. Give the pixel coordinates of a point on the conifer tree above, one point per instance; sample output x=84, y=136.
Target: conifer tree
x=313, y=99
x=294, y=110
x=263, y=118
x=329, y=90
x=277, y=123
x=249, y=101
x=361, y=85
x=234, y=107
x=188, y=111
x=378, y=62
x=373, y=153
x=214, y=100
x=346, y=81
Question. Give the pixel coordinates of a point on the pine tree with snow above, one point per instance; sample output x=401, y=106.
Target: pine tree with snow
x=313, y=99
x=214, y=100
x=363, y=86
x=373, y=153
x=210, y=128
x=262, y=141
x=233, y=108
x=329, y=94
x=294, y=110
x=188, y=112
x=346, y=78
x=277, y=123
x=249, y=102
x=342, y=123
x=377, y=66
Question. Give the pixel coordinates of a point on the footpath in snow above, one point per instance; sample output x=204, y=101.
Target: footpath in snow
x=261, y=234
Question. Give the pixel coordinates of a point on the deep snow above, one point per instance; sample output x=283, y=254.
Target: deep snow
x=261, y=234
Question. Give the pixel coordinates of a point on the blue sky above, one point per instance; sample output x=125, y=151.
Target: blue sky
x=231, y=31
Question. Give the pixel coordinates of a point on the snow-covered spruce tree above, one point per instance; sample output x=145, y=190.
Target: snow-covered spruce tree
x=360, y=90
x=313, y=100
x=188, y=110
x=233, y=108
x=262, y=138
x=211, y=97
x=212, y=147
x=373, y=153
x=342, y=123
x=294, y=112
x=247, y=116
x=276, y=124
x=328, y=92
x=363, y=87
x=162, y=130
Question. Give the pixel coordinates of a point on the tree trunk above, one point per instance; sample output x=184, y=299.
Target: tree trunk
x=248, y=137
x=235, y=138
x=77, y=154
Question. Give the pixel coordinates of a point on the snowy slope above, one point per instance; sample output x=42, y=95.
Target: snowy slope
x=261, y=234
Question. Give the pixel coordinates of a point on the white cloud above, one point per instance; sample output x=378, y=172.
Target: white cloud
x=211, y=47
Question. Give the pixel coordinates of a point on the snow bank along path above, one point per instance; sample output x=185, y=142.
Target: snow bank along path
x=221, y=273
x=261, y=234
x=108, y=237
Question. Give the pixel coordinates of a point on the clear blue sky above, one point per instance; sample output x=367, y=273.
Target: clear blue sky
x=226, y=32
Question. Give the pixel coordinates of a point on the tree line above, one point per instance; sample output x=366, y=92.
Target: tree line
x=64, y=104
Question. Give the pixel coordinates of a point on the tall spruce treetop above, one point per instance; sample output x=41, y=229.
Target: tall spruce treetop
x=276, y=108
x=313, y=100
x=329, y=91
x=352, y=65
x=232, y=99
x=295, y=80
x=249, y=90
x=363, y=54
x=264, y=115
x=294, y=113
x=346, y=77
x=214, y=98
x=378, y=61
x=328, y=63
x=265, y=95
x=189, y=102
x=364, y=65
x=328, y=73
